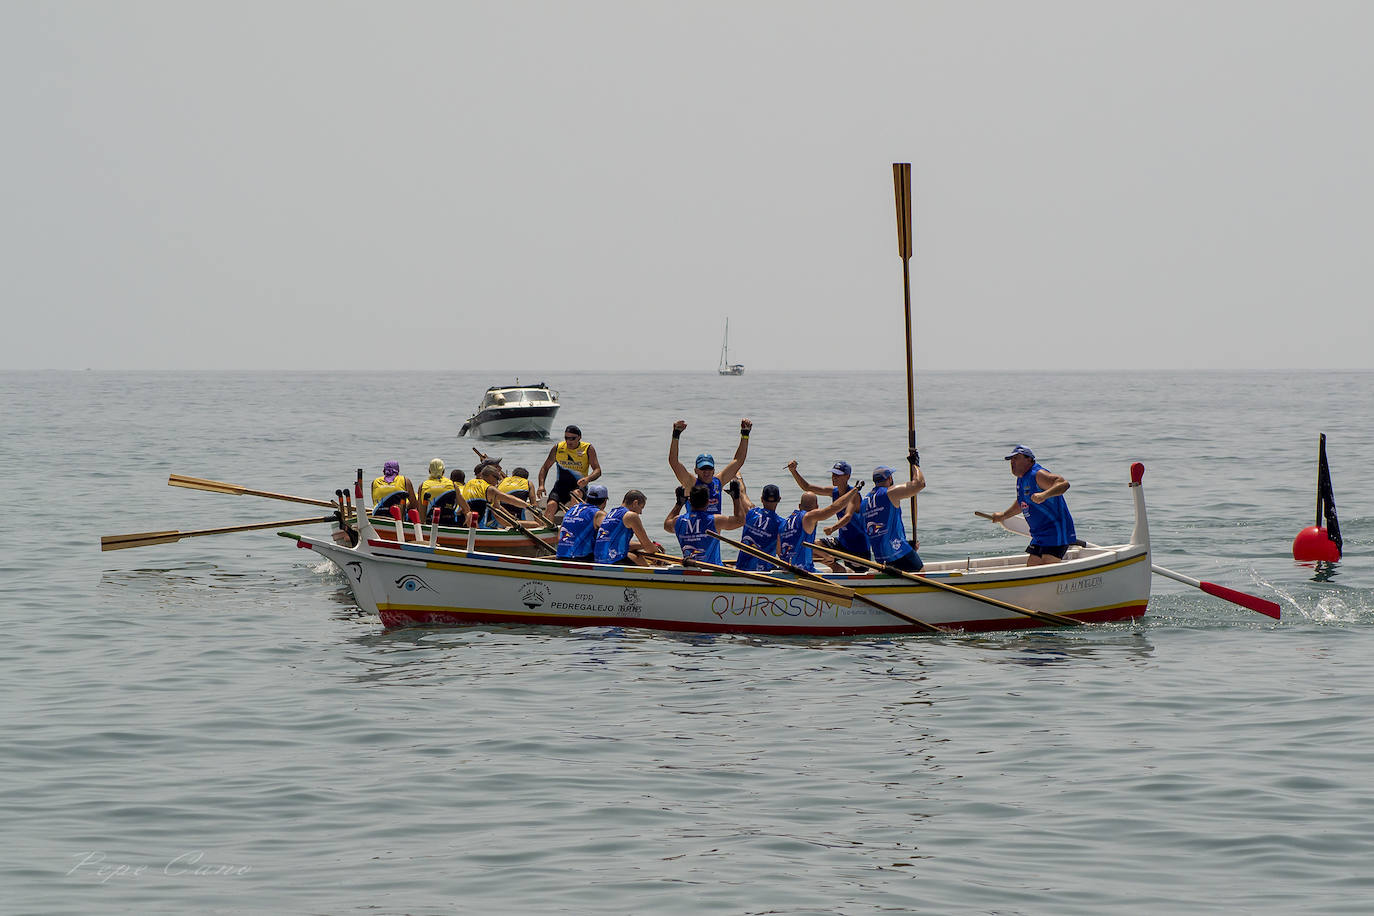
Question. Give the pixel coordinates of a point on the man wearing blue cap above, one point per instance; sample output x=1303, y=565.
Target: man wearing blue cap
x=577, y=534
x=1039, y=497
x=882, y=514
x=705, y=475
x=851, y=538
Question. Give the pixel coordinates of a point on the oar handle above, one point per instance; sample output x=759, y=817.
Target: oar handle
x=514, y=523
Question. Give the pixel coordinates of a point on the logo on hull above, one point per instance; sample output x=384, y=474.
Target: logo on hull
x=533, y=594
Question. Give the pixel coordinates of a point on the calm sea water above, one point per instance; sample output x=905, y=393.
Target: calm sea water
x=213, y=726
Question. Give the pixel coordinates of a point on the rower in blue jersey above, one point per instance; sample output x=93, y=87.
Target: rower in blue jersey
x=849, y=528
x=882, y=515
x=705, y=465
x=577, y=534
x=621, y=536
x=761, y=527
x=799, y=530
x=691, y=527
x=1039, y=497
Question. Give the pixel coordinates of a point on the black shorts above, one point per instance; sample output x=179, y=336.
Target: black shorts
x=910, y=562
x=1057, y=551
x=563, y=486
x=834, y=544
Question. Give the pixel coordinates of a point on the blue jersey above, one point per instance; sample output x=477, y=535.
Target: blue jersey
x=577, y=536
x=713, y=492
x=851, y=538
x=761, y=527
x=797, y=541
x=691, y=534
x=884, y=527
x=1050, y=523
x=613, y=537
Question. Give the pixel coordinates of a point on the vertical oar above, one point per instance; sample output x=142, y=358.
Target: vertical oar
x=901, y=185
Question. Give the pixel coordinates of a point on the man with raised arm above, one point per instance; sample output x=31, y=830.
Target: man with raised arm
x=705, y=465
x=882, y=515
x=1040, y=498
x=799, y=530
x=850, y=526
x=691, y=529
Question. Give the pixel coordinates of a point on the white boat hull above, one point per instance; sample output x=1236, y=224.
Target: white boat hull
x=522, y=425
x=414, y=585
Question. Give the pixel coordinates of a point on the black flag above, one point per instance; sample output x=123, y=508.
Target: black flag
x=1326, y=502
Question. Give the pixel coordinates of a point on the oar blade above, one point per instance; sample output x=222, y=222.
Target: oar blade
x=199, y=483
x=143, y=539
x=1253, y=602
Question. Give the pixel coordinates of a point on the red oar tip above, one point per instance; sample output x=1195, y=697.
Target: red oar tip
x=1253, y=602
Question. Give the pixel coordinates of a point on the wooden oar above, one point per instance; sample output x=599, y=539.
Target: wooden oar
x=901, y=187
x=513, y=522
x=834, y=594
x=539, y=514
x=149, y=538
x=1017, y=525
x=1044, y=616
x=216, y=486
x=807, y=574
x=768, y=557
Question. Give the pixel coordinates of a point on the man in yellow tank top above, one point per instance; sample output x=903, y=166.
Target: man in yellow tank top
x=391, y=483
x=433, y=488
x=517, y=485
x=577, y=466
x=484, y=489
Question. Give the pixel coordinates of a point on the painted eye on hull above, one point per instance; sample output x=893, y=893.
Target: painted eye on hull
x=411, y=583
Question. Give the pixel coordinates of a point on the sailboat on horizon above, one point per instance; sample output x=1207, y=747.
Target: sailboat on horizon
x=727, y=367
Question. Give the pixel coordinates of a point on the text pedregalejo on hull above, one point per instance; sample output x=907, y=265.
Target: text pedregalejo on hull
x=427, y=584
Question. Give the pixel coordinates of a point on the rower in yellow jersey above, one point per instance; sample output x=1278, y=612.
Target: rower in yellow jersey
x=391, y=489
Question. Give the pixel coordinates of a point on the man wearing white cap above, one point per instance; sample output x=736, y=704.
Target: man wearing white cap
x=1039, y=497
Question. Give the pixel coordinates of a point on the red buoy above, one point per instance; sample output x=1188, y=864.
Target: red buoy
x=1314, y=545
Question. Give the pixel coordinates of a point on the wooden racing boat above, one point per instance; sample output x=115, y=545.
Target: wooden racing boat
x=419, y=583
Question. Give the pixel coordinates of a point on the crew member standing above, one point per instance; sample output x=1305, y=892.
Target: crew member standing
x=1039, y=497
x=577, y=466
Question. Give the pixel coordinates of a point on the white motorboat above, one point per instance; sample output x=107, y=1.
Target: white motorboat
x=513, y=412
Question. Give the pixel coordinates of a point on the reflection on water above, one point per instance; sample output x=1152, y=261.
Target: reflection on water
x=1324, y=571
x=1057, y=647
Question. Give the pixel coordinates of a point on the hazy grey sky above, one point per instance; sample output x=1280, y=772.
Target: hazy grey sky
x=1097, y=184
